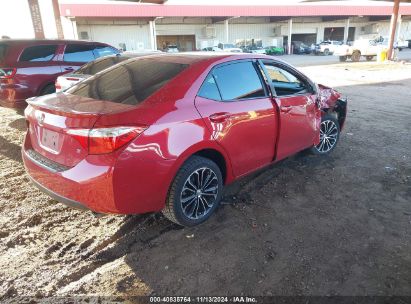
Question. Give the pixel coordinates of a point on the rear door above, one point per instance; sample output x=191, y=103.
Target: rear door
x=37, y=67
x=239, y=113
x=76, y=55
x=299, y=113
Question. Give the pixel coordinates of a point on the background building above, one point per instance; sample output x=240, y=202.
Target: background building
x=137, y=26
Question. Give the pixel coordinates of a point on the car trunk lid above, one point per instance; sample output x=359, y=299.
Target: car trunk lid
x=51, y=118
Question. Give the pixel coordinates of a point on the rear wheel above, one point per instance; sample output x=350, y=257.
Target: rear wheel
x=195, y=193
x=356, y=56
x=369, y=58
x=48, y=89
x=329, y=135
x=343, y=58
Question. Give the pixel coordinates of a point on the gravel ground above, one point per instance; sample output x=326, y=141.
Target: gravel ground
x=309, y=225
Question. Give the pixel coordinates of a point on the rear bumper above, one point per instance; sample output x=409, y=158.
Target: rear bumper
x=64, y=200
x=13, y=97
x=111, y=183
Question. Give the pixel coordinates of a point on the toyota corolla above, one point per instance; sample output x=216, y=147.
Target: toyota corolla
x=167, y=132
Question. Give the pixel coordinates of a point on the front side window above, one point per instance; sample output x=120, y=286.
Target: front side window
x=130, y=82
x=284, y=82
x=38, y=53
x=78, y=53
x=238, y=81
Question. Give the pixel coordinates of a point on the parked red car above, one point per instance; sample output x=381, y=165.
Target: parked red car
x=166, y=132
x=30, y=67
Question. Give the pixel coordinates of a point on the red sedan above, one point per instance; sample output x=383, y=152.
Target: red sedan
x=167, y=132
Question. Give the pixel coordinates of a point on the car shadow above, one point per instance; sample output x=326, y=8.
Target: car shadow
x=19, y=124
x=10, y=150
x=163, y=254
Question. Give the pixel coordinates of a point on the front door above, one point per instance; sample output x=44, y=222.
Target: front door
x=240, y=115
x=299, y=114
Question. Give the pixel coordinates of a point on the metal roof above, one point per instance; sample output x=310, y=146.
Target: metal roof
x=151, y=10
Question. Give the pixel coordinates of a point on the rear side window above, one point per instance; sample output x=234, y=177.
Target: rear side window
x=238, y=81
x=209, y=89
x=96, y=66
x=3, y=49
x=130, y=82
x=78, y=53
x=101, y=51
x=38, y=53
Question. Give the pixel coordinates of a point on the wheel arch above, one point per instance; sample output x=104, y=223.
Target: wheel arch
x=211, y=150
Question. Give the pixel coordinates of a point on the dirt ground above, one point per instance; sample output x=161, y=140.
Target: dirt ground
x=309, y=225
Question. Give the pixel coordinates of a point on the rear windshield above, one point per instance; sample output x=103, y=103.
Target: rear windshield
x=96, y=66
x=3, y=49
x=130, y=82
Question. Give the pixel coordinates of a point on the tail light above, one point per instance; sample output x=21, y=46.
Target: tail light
x=105, y=140
x=57, y=85
x=7, y=73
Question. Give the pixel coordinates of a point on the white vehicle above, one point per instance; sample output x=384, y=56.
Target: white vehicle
x=327, y=47
x=227, y=47
x=172, y=49
x=368, y=48
x=402, y=44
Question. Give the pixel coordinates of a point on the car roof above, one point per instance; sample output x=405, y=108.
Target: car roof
x=195, y=57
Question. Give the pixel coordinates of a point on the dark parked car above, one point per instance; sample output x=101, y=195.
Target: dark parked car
x=300, y=47
x=166, y=132
x=30, y=67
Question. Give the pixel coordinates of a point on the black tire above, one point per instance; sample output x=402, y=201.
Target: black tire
x=48, y=89
x=325, y=147
x=326, y=52
x=356, y=56
x=184, y=184
x=369, y=58
x=343, y=58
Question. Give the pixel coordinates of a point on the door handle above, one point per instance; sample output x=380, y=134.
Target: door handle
x=69, y=69
x=219, y=117
x=286, y=109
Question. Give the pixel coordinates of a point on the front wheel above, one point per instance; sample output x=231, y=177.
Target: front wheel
x=329, y=135
x=195, y=193
x=356, y=56
x=369, y=58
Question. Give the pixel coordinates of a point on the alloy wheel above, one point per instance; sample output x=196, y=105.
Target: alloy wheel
x=199, y=193
x=328, y=136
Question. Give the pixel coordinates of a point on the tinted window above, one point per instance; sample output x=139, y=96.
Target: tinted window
x=96, y=66
x=3, y=49
x=78, y=53
x=101, y=51
x=284, y=82
x=209, y=89
x=38, y=53
x=238, y=80
x=130, y=82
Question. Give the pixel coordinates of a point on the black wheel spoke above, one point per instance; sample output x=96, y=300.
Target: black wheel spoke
x=328, y=136
x=199, y=193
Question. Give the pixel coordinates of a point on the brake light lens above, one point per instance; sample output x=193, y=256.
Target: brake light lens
x=7, y=73
x=57, y=85
x=105, y=140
